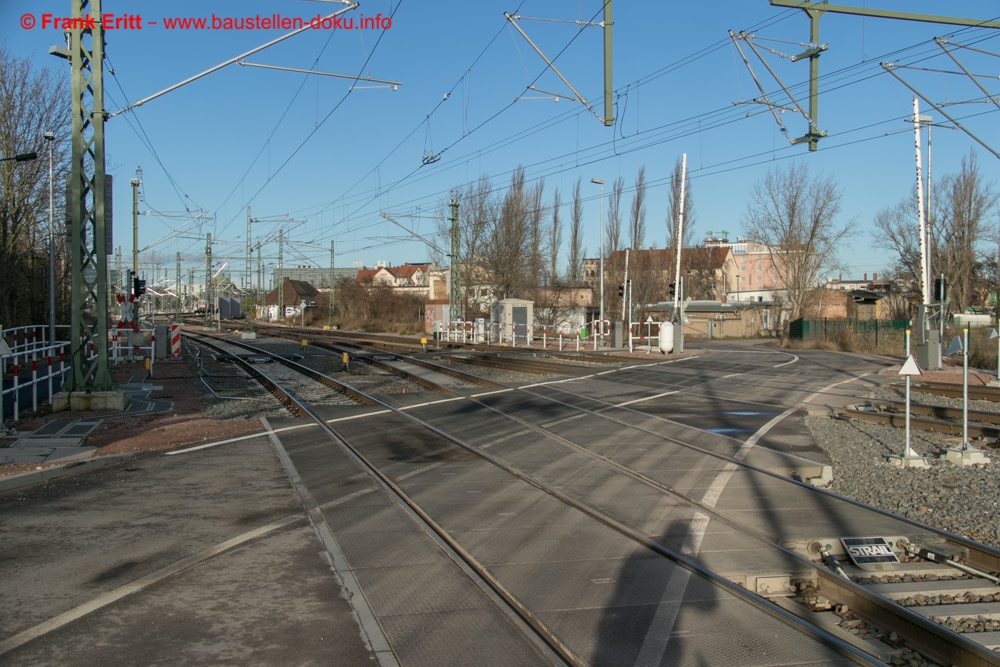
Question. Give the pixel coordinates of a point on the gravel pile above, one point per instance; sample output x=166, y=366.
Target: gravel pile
x=964, y=500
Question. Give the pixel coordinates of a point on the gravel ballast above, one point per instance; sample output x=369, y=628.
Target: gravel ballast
x=964, y=500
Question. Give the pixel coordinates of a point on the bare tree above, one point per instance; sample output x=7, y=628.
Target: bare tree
x=576, y=236
x=897, y=230
x=539, y=234
x=477, y=209
x=555, y=239
x=673, y=214
x=796, y=218
x=506, y=251
x=32, y=102
x=959, y=234
x=960, y=227
x=637, y=219
x=613, y=230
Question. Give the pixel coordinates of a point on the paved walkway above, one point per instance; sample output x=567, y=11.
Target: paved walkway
x=62, y=439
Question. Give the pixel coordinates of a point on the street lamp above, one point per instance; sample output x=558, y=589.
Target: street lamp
x=597, y=181
x=21, y=157
x=50, y=139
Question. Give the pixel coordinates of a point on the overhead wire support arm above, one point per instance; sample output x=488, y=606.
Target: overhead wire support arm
x=813, y=134
x=815, y=10
x=577, y=96
x=972, y=77
x=362, y=79
x=891, y=67
x=235, y=59
x=822, y=7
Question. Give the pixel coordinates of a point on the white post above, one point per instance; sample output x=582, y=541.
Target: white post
x=679, y=241
x=925, y=269
x=965, y=392
x=625, y=289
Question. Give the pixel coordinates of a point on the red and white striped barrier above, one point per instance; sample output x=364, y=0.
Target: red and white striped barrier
x=175, y=340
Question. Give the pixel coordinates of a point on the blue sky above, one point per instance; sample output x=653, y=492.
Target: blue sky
x=327, y=161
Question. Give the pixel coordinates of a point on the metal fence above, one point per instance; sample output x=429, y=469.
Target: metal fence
x=811, y=330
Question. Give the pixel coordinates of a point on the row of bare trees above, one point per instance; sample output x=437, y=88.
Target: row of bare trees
x=512, y=239
x=32, y=102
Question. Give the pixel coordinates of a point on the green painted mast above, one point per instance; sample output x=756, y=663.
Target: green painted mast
x=89, y=207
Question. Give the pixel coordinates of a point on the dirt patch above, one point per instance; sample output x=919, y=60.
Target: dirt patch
x=186, y=424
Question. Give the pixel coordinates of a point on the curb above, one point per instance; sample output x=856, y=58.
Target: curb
x=24, y=479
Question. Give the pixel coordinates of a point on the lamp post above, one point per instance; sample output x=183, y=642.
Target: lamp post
x=597, y=181
x=50, y=139
x=21, y=157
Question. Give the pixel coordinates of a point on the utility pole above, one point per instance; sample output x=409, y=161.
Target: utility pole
x=208, y=281
x=606, y=24
x=280, y=274
x=680, y=233
x=135, y=183
x=248, y=272
x=333, y=278
x=679, y=288
x=177, y=289
x=455, y=313
x=88, y=209
x=928, y=340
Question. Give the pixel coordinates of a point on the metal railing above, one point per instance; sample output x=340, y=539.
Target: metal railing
x=28, y=348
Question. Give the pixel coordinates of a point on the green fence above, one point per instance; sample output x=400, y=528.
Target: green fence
x=832, y=330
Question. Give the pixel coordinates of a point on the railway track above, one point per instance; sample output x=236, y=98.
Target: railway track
x=792, y=588
x=941, y=420
x=976, y=392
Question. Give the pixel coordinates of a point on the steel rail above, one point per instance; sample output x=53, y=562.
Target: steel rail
x=922, y=633
x=345, y=389
x=923, y=423
x=759, y=602
x=944, y=412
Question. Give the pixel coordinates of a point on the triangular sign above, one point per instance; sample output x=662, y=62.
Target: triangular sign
x=4, y=348
x=955, y=346
x=910, y=367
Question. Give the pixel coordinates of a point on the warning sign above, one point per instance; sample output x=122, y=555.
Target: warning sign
x=868, y=550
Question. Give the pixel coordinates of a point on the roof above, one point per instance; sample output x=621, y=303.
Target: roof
x=708, y=306
x=695, y=257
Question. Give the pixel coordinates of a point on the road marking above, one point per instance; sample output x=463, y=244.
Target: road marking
x=101, y=601
x=648, y=398
x=661, y=627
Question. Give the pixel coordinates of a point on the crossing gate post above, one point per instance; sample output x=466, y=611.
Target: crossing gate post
x=175, y=340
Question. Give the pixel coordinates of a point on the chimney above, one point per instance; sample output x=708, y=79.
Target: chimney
x=840, y=277
x=866, y=277
x=874, y=277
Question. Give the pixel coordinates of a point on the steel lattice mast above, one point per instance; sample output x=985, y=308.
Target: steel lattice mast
x=89, y=206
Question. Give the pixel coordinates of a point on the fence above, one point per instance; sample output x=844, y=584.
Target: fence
x=49, y=363
x=837, y=330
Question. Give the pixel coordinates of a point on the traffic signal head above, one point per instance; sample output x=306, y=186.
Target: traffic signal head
x=673, y=289
x=621, y=290
x=138, y=287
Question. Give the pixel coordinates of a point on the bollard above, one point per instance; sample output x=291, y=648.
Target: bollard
x=16, y=401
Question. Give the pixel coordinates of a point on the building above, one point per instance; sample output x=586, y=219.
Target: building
x=707, y=272
x=407, y=275
x=874, y=285
x=317, y=276
x=294, y=293
x=756, y=278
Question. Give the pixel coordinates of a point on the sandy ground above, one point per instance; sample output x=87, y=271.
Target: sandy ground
x=186, y=424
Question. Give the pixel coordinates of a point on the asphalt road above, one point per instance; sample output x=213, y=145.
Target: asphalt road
x=197, y=559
